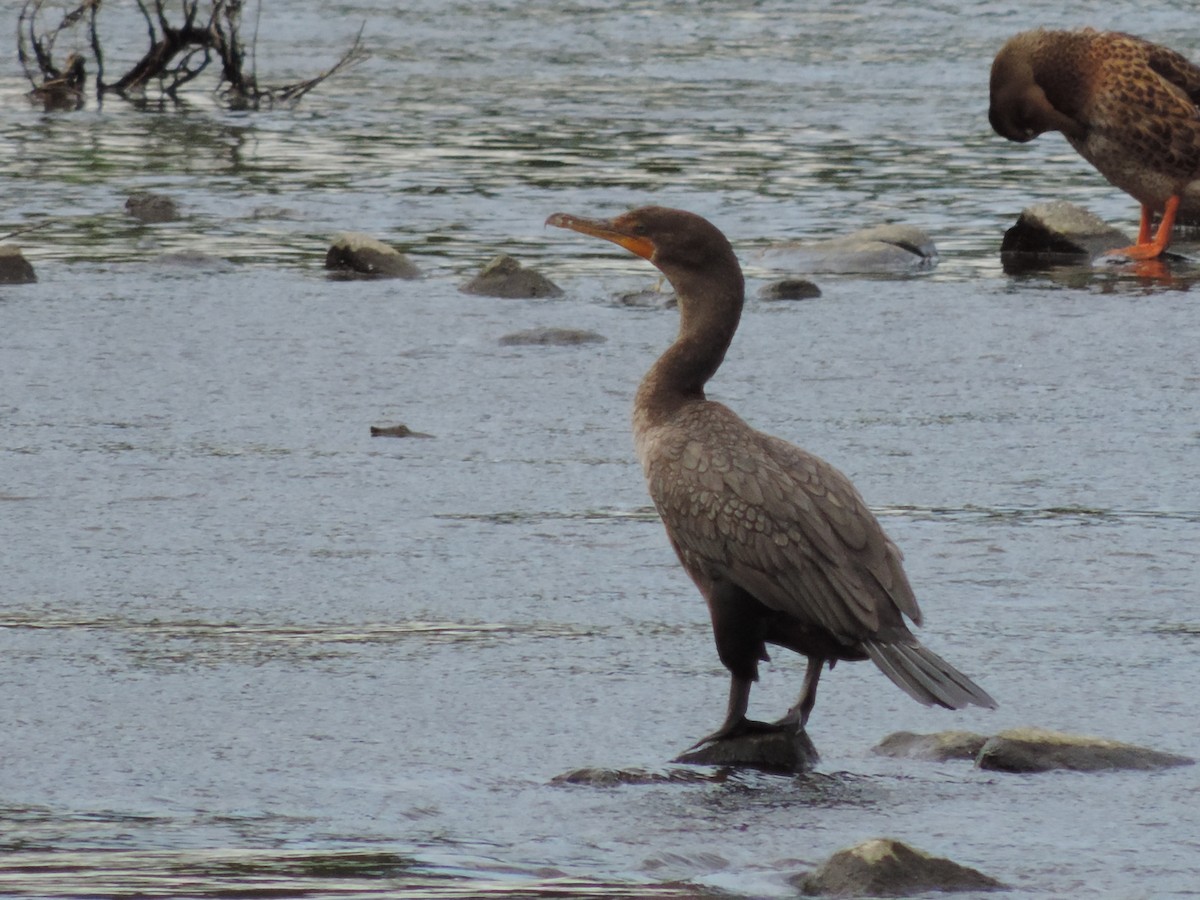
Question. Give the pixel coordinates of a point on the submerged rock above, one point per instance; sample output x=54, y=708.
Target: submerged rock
x=1039, y=750
x=559, y=337
x=356, y=255
x=398, y=431
x=782, y=752
x=938, y=747
x=656, y=297
x=1058, y=232
x=880, y=249
x=605, y=778
x=151, y=208
x=14, y=267
x=790, y=289
x=889, y=868
x=505, y=277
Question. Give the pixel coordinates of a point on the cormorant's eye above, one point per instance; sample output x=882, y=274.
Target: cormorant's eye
x=639, y=229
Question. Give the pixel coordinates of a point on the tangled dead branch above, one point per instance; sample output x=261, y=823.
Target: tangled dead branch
x=179, y=52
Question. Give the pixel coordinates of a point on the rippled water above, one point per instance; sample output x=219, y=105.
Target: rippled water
x=245, y=646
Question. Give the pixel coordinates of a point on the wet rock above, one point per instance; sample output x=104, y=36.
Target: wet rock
x=1039, y=750
x=938, y=747
x=556, y=337
x=782, y=752
x=398, y=431
x=880, y=249
x=505, y=277
x=790, y=289
x=14, y=267
x=598, y=777
x=1058, y=232
x=356, y=255
x=151, y=208
x=888, y=868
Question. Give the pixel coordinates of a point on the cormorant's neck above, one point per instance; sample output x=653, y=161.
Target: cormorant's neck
x=710, y=305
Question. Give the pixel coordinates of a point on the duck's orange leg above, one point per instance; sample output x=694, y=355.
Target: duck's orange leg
x=1145, y=248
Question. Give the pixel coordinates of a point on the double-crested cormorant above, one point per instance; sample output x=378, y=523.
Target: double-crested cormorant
x=1128, y=106
x=778, y=541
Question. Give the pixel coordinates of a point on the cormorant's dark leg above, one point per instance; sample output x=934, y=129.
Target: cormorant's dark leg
x=738, y=628
x=798, y=714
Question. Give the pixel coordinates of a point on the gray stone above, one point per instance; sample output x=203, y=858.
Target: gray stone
x=880, y=249
x=650, y=298
x=505, y=277
x=779, y=751
x=938, y=747
x=1059, y=232
x=1039, y=750
x=889, y=868
x=151, y=208
x=790, y=289
x=356, y=255
x=558, y=337
x=398, y=431
x=14, y=267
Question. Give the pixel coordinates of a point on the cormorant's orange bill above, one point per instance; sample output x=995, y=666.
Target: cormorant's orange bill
x=616, y=230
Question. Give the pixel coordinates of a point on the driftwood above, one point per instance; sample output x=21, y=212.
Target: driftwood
x=179, y=51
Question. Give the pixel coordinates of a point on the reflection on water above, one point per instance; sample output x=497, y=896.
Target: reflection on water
x=245, y=649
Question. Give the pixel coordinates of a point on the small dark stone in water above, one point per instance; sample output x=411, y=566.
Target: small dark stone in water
x=399, y=431
x=785, y=752
x=356, y=255
x=888, y=868
x=790, y=289
x=1039, y=750
x=151, y=208
x=937, y=747
x=505, y=277
x=14, y=267
x=595, y=777
x=648, y=298
x=560, y=337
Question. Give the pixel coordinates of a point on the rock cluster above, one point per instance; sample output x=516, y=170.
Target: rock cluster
x=1029, y=750
x=786, y=752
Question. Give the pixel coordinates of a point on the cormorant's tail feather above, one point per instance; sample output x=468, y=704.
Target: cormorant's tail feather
x=926, y=677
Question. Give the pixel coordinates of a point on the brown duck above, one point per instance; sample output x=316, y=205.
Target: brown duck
x=778, y=541
x=1128, y=106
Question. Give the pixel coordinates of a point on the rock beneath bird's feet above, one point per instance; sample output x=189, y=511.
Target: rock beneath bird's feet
x=784, y=750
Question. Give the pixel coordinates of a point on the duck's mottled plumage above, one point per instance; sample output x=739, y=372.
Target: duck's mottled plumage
x=1128, y=106
x=779, y=542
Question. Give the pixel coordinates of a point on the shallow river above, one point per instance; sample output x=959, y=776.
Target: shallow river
x=246, y=647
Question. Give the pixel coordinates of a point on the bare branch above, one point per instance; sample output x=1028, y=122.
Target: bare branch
x=175, y=56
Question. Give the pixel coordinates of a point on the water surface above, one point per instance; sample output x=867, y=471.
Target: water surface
x=247, y=646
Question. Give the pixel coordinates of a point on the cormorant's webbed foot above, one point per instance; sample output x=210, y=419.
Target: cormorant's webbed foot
x=742, y=727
